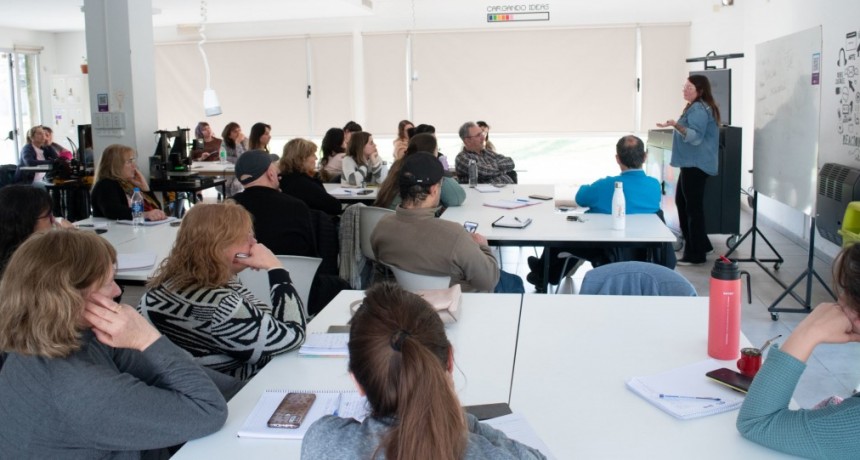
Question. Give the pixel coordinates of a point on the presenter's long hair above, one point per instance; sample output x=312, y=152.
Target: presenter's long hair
x=703, y=89
x=400, y=355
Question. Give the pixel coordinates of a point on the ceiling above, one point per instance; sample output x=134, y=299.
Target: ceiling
x=66, y=15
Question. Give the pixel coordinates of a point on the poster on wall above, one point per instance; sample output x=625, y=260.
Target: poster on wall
x=847, y=95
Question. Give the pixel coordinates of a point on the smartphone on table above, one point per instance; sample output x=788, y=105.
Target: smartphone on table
x=470, y=227
x=292, y=410
x=734, y=380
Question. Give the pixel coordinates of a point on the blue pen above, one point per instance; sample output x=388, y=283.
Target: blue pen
x=337, y=408
x=709, y=398
x=522, y=200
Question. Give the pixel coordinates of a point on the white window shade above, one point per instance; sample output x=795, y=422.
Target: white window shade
x=256, y=81
x=331, y=82
x=385, y=82
x=664, y=71
x=551, y=81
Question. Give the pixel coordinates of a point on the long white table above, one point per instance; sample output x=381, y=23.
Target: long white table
x=574, y=355
x=550, y=226
x=484, y=341
x=213, y=168
x=157, y=239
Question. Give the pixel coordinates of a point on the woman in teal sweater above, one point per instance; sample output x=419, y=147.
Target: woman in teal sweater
x=389, y=192
x=826, y=432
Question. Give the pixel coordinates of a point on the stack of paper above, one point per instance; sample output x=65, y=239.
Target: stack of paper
x=686, y=393
x=512, y=204
x=487, y=188
x=325, y=344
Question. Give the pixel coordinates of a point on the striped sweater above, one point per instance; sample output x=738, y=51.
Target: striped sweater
x=227, y=329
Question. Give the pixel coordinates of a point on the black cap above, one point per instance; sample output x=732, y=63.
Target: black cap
x=252, y=164
x=420, y=168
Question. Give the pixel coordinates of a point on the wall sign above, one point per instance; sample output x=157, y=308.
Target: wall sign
x=518, y=12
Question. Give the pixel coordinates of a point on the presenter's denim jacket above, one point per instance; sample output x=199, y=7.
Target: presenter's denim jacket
x=698, y=148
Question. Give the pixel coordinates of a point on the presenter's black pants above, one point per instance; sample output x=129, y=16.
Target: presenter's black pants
x=690, y=198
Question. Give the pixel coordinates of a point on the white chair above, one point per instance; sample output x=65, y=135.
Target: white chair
x=302, y=271
x=368, y=217
x=414, y=282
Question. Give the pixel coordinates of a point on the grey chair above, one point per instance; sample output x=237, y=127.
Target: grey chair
x=414, y=282
x=636, y=278
x=302, y=271
x=368, y=217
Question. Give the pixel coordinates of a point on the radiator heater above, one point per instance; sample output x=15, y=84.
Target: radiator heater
x=838, y=185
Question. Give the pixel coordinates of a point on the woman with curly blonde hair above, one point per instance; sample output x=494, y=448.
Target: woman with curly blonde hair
x=197, y=300
x=83, y=376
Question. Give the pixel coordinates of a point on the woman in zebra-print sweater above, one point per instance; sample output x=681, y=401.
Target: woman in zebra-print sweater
x=197, y=300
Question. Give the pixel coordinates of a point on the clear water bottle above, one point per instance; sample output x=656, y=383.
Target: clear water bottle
x=619, y=210
x=136, y=208
x=222, y=154
x=473, y=173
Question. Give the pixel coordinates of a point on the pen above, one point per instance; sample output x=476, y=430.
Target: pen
x=85, y=225
x=517, y=219
x=337, y=407
x=522, y=200
x=709, y=398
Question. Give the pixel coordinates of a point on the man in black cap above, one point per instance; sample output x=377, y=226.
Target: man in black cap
x=414, y=240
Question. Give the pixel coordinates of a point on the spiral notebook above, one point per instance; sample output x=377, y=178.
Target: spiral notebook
x=686, y=393
x=341, y=403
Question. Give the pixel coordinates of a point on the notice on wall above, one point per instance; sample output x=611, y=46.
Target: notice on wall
x=847, y=93
x=518, y=12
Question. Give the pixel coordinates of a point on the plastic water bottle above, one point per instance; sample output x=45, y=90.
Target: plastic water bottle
x=383, y=172
x=473, y=173
x=222, y=154
x=619, y=211
x=136, y=208
x=724, y=310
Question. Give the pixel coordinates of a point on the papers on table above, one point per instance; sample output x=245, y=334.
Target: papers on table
x=512, y=204
x=487, y=188
x=686, y=392
x=135, y=261
x=348, y=404
x=325, y=344
x=341, y=191
x=149, y=223
x=511, y=222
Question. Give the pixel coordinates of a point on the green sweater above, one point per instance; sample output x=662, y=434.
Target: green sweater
x=830, y=432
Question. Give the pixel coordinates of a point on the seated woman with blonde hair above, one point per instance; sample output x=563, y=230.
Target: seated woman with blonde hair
x=116, y=178
x=401, y=359
x=197, y=300
x=83, y=376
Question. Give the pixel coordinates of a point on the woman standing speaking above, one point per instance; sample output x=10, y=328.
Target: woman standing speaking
x=695, y=143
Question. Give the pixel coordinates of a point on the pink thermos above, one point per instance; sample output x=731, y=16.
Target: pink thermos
x=724, y=313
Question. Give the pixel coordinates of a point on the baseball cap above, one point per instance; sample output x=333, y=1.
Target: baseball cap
x=252, y=164
x=420, y=168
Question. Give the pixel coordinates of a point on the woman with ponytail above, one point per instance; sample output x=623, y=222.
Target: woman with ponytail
x=400, y=358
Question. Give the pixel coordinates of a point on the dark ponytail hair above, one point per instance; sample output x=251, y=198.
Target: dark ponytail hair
x=399, y=354
x=703, y=89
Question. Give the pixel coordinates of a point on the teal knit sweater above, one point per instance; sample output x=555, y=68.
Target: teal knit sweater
x=832, y=432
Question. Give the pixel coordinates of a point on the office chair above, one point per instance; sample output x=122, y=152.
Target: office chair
x=414, y=282
x=636, y=278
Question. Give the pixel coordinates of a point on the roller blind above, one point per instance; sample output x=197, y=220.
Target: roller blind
x=664, y=70
x=332, y=82
x=385, y=82
x=571, y=80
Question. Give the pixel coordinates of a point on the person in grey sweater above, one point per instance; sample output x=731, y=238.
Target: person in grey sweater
x=83, y=376
x=402, y=361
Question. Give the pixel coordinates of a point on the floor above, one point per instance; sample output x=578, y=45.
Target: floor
x=831, y=370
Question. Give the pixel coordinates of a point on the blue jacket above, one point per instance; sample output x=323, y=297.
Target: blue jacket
x=642, y=193
x=28, y=158
x=698, y=148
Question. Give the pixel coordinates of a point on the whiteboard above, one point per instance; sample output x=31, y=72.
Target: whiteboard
x=787, y=112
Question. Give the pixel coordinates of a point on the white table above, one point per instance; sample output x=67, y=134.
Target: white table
x=575, y=354
x=127, y=239
x=213, y=168
x=484, y=343
x=352, y=196
x=549, y=226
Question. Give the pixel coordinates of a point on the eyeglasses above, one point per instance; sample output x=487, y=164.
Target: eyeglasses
x=477, y=135
x=131, y=161
x=48, y=215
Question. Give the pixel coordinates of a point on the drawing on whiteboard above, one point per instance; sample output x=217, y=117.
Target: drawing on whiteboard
x=848, y=98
